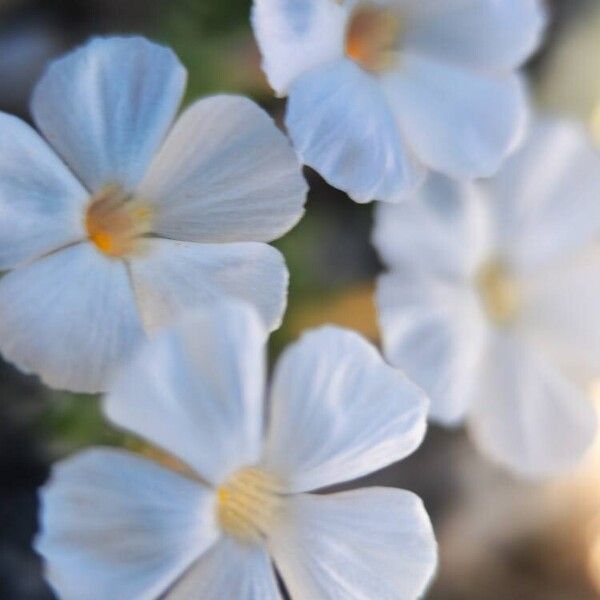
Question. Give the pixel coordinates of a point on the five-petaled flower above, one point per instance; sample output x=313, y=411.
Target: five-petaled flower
x=124, y=219
x=492, y=302
x=381, y=91
x=115, y=525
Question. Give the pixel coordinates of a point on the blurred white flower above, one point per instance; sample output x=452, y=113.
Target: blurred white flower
x=380, y=91
x=123, y=219
x=492, y=302
x=115, y=525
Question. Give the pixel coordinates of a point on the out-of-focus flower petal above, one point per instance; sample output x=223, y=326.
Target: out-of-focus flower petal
x=229, y=571
x=196, y=390
x=107, y=106
x=41, y=203
x=460, y=122
x=433, y=331
x=69, y=317
x=176, y=276
x=372, y=543
x=342, y=126
x=545, y=199
x=444, y=229
x=225, y=174
x=525, y=415
x=296, y=36
x=114, y=525
x=339, y=412
x=480, y=33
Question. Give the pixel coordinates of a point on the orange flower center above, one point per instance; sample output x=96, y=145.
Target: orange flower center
x=116, y=221
x=372, y=37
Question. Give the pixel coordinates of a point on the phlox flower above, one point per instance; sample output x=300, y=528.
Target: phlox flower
x=121, y=218
x=491, y=304
x=115, y=525
x=383, y=91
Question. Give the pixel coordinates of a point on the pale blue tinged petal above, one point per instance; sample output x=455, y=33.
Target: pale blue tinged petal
x=338, y=411
x=41, y=202
x=107, y=106
x=114, y=525
x=70, y=318
x=197, y=390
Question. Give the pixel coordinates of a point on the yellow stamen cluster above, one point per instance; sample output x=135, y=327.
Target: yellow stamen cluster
x=115, y=221
x=248, y=503
x=499, y=292
x=372, y=37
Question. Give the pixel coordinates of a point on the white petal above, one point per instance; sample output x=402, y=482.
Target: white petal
x=106, y=107
x=70, y=318
x=460, y=122
x=117, y=526
x=225, y=174
x=41, y=203
x=487, y=34
x=229, y=571
x=443, y=229
x=433, y=330
x=545, y=199
x=296, y=36
x=358, y=545
x=196, y=390
x=341, y=125
x=339, y=412
x=561, y=313
x=526, y=416
x=176, y=276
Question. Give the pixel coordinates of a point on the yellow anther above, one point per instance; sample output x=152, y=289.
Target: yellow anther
x=499, y=292
x=248, y=503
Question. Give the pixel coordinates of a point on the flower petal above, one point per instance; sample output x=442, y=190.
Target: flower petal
x=526, y=416
x=41, y=203
x=225, y=174
x=107, y=106
x=339, y=412
x=196, y=390
x=545, y=199
x=176, y=276
x=69, y=317
x=434, y=331
x=341, y=125
x=296, y=36
x=371, y=543
x=480, y=33
x=460, y=122
x=115, y=525
x=229, y=570
x=444, y=229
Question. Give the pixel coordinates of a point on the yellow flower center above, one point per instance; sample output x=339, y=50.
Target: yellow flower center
x=499, y=292
x=372, y=37
x=116, y=221
x=248, y=503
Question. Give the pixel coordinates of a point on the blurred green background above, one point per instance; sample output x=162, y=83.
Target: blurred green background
x=500, y=539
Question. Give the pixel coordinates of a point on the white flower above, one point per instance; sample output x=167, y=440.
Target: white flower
x=380, y=91
x=123, y=219
x=115, y=525
x=492, y=302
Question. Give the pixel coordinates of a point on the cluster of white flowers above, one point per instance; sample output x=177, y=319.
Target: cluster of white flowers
x=137, y=261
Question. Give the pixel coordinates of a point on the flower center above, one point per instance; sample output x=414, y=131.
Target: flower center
x=372, y=37
x=247, y=504
x=115, y=221
x=499, y=292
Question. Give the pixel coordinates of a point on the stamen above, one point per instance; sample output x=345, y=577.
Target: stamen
x=499, y=292
x=115, y=221
x=248, y=503
x=372, y=37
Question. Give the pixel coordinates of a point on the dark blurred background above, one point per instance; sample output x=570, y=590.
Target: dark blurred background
x=500, y=538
